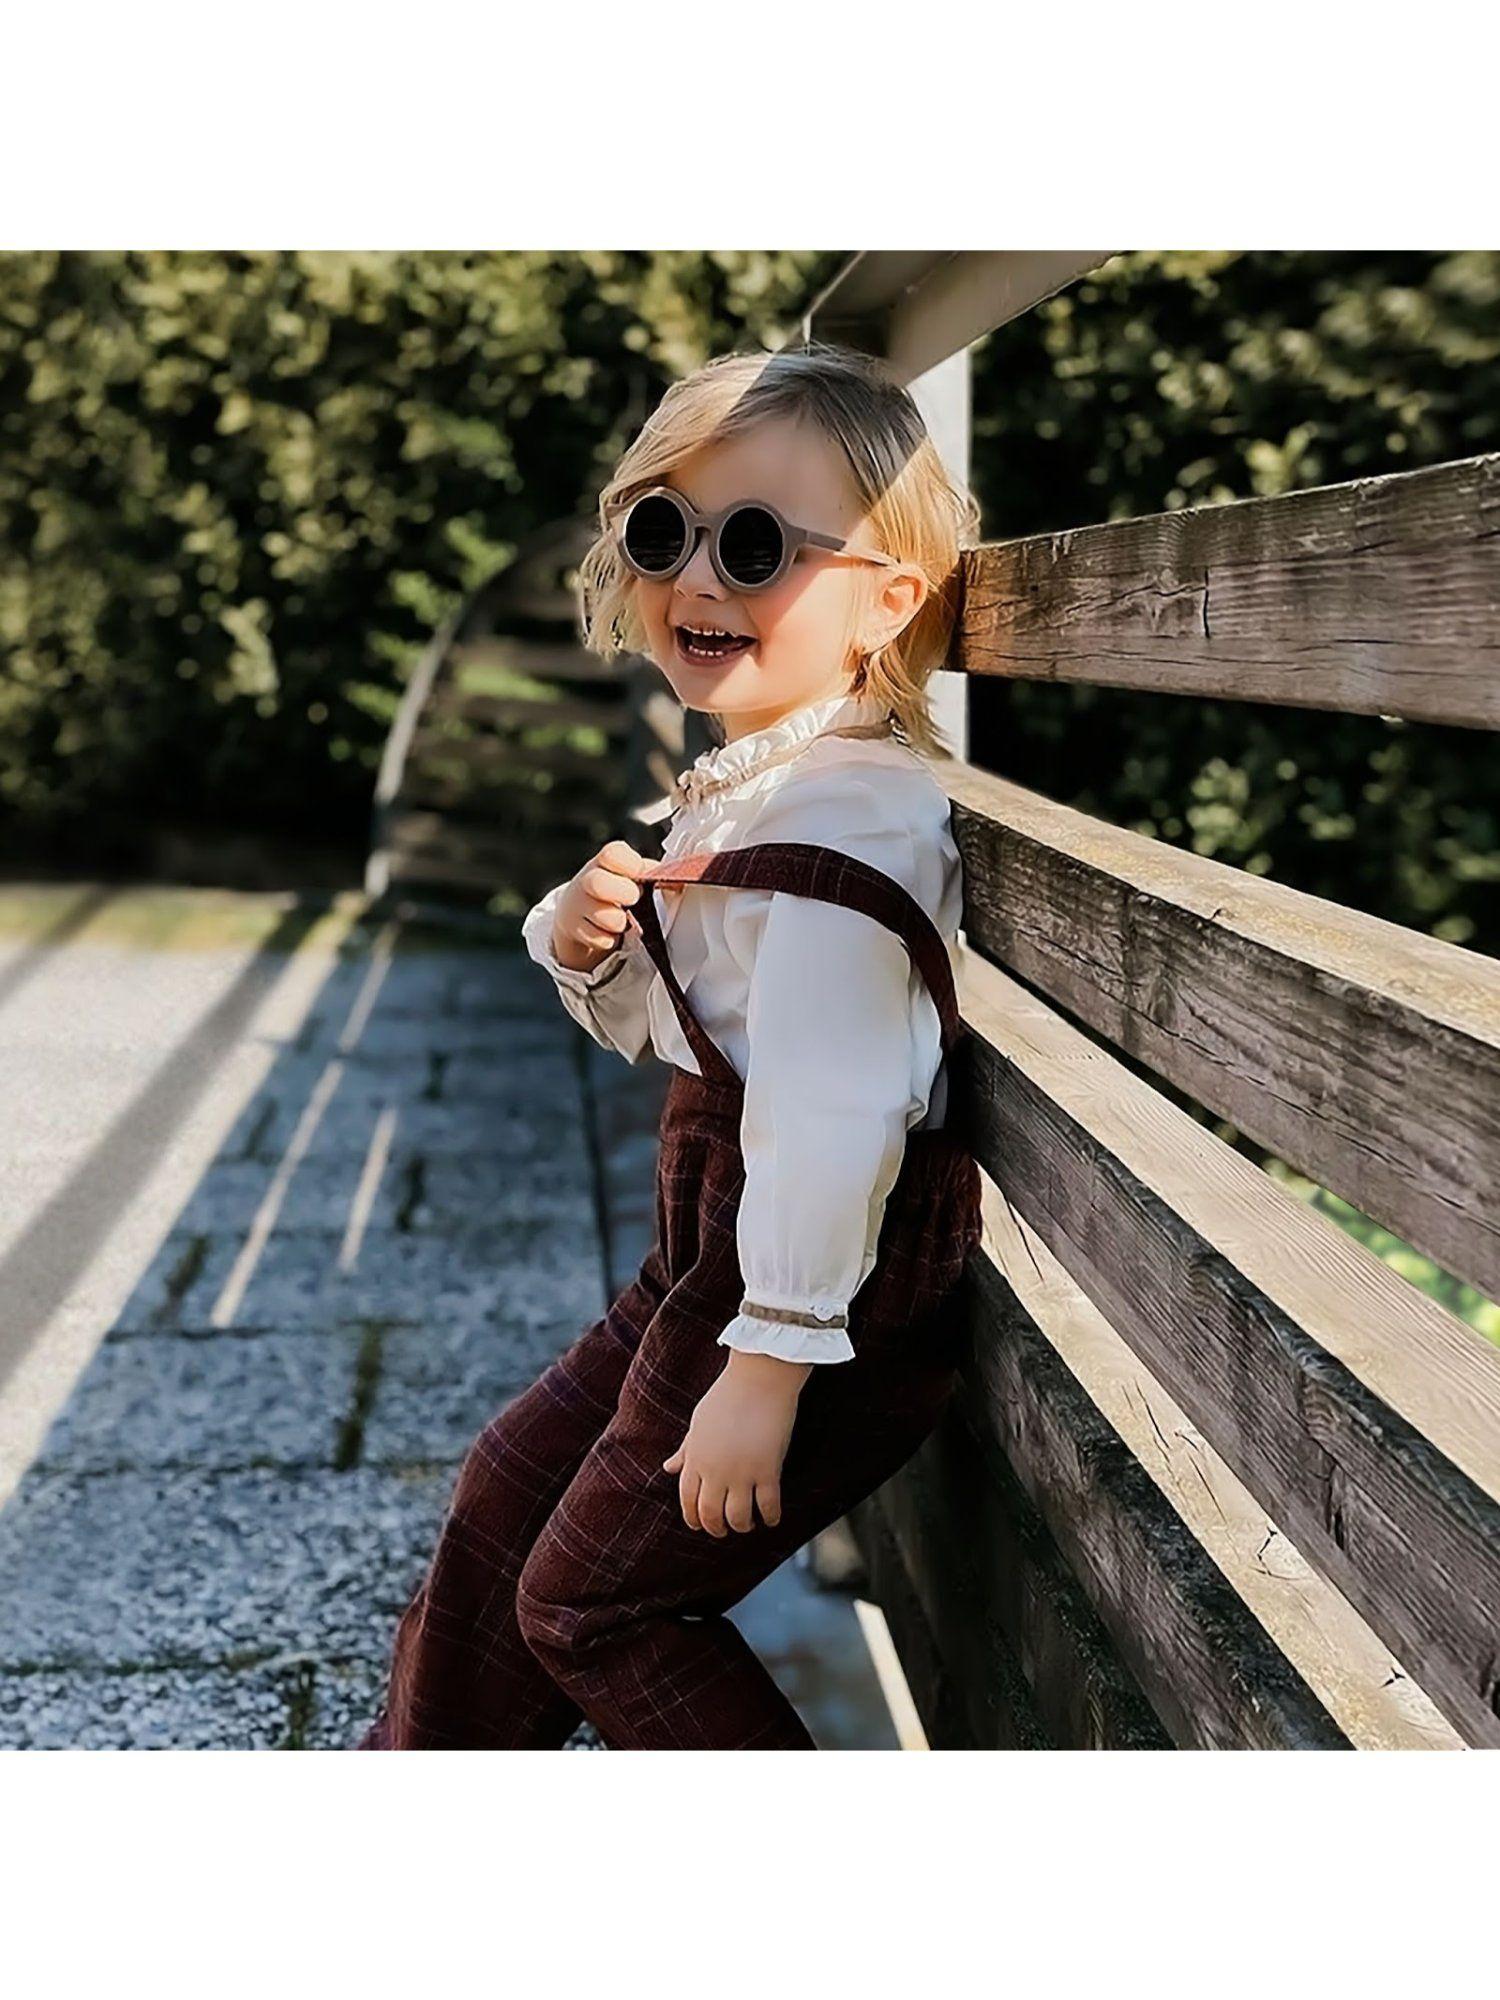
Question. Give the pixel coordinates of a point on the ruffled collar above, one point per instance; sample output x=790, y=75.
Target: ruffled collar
x=727, y=765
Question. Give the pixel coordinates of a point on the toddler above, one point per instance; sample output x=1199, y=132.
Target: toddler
x=783, y=540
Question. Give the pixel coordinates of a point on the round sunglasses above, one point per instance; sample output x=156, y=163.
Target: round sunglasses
x=750, y=544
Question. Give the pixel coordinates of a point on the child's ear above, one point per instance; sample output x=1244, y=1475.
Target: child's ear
x=898, y=598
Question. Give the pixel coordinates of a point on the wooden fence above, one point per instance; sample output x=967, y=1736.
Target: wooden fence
x=1218, y=1477
x=514, y=752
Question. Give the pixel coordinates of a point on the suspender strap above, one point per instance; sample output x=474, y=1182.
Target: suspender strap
x=800, y=868
x=713, y=1065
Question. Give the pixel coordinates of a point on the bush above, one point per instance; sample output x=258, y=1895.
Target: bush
x=237, y=492
x=1172, y=379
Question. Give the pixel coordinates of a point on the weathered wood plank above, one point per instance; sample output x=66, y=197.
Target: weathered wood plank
x=536, y=585
x=531, y=659
x=1235, y=1638
x=1362, y=1416
x=1374, y=597
x=491, y=760
x=517, y=712
x=917, y=308
x=566, y=811
x=938, y=1702
x=472, y=828
x=502, y=867
x=1032, y=1663
x=422, y=869
x=501, y=858
x=662, y=767
x=662, y=722
x=433, y=844
x=1365, y=1054
x=417, y=694
x=1204, y=1662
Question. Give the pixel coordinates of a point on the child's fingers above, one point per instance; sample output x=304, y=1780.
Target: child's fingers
x=674, y=1463
x=611, y=884
x=687, y=1495
x=739, y=1509
x=768, y=1499
x=711, y=1509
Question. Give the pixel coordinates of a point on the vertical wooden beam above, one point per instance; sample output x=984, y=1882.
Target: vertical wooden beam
x=943, y=395
x=877, y=317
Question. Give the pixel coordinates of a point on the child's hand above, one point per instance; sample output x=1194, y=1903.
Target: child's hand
x=591, y=917
x=730, y=1461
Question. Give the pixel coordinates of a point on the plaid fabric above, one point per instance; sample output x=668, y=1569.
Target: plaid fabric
x=565, y=1582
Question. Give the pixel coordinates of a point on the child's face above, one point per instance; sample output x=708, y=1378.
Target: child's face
x=808, y=632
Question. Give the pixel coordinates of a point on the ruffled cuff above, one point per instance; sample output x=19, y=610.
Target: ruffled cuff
x=789, y=1339
x=536, y=934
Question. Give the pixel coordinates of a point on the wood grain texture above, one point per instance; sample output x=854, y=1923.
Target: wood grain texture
x=1203, y=1661
x=1031, y=1661
x=1375, y=597
x=1362, y=1416
x=939, y=1705
x=1365, y=1054
x=1234, y=1636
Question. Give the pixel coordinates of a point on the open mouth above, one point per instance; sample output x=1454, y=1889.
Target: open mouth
x=706, y=645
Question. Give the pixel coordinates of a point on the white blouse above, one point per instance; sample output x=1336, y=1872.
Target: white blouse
x=818, y=1007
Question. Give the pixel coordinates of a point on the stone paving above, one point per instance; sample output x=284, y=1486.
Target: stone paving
x=226, y=1476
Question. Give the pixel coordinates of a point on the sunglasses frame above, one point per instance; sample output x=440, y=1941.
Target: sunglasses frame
x=793, y=539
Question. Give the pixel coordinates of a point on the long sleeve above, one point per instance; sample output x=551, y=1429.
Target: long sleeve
x=843, y=1046
x=609, y=1002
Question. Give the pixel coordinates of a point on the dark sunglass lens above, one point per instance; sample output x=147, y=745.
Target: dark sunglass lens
x=750, y=546
x=654, y=534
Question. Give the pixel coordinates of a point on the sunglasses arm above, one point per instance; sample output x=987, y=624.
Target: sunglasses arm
x=855, y=555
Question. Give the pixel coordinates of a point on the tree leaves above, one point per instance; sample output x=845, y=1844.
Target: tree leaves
x=238, y=491
x=1188, y=378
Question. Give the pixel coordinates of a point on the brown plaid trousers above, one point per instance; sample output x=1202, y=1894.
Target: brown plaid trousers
x=565, y=1582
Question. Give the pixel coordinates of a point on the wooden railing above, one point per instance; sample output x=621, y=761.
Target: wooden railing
x=515, y=753
x=1218, y=1476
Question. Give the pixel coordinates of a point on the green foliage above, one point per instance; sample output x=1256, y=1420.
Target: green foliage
x=1173, y=379
x=1460, y=1299
x=237, y=493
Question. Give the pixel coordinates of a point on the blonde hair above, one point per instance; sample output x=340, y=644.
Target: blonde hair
x=913, y=509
